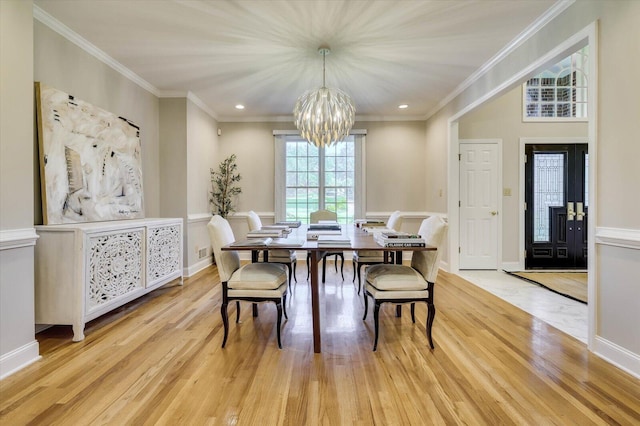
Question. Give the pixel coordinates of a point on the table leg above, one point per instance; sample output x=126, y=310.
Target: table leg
x=315, y=303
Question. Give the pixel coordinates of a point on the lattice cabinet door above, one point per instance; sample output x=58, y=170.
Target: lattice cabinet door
x=164, y=253
x=114, y=267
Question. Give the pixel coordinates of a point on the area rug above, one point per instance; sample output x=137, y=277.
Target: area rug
x=570, y=284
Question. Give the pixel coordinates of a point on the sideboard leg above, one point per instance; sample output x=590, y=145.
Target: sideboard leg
x=78, y=332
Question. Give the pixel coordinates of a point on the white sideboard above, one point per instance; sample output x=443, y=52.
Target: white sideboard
x=85, y=270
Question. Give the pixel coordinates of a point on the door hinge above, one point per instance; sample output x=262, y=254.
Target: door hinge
x=525, y=207
x=459, y=203
x=459, y=157
x=525, y=254
x=525, y=159
x=459, y=250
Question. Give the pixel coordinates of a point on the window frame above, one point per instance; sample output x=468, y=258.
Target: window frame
x=280, y=139
x=579, y=63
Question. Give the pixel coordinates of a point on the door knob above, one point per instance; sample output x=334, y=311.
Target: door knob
x=494, y=213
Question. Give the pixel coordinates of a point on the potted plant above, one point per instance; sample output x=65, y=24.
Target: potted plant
x=224, y=187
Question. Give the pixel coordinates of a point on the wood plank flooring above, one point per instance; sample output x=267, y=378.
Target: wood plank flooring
x=569, y=284
x=158, y=361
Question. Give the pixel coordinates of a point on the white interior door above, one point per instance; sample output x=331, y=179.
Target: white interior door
x=479, y=203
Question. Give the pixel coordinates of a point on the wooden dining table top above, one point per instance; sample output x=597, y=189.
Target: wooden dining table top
x=359, y=240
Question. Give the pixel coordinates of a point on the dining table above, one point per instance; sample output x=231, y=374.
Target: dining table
x=359, y=239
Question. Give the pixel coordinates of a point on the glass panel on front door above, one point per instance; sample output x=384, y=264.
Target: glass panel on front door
x=548, y=189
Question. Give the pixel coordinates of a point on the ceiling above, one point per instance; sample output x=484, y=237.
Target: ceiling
x=264, y=54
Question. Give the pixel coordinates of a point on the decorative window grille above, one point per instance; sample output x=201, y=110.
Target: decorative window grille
x=560, y=92
x=548, y=190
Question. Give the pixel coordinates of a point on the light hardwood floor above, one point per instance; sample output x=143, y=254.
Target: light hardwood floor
x=158, y=360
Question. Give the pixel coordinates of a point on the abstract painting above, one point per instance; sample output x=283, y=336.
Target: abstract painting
x=90, y=161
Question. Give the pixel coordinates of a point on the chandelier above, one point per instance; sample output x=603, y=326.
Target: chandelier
x=325, y=115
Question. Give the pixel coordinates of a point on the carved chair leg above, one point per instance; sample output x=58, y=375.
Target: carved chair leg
x=294, y=272
x=237, y=311
x=355, y=267
x=324, y=267
x=284, y=305
x=431, y=314
x=376, y=321
x=225, y=322
x=279, y=308
x=308, y=265
x=341, y=265
x=413, y=313
x=360, y=275
x=366, y=306
x=290, y=272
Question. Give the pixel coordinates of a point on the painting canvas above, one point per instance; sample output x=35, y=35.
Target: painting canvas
x=90, y=161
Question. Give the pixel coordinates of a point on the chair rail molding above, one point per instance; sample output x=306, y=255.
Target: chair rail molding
x=198, y=217
x=619, y=237
x=17, y=238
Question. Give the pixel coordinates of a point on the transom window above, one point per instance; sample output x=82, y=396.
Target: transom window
x=560, y=92
x=310, y=178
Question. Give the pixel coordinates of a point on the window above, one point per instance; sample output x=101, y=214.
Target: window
x=309, y=178
x=558, y=93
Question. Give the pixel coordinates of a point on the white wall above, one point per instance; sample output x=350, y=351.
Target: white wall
x=18, y=346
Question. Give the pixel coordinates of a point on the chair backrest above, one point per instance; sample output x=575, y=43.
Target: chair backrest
x=433, y=230
x=317, y=216
x=253, y=220
x=395, y=221
x=221, y=234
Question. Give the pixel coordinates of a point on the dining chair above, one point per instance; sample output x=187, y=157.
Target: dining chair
x=286, y=257
x=253, y=282
x=316, y=217
x=373, y=257
x=408, y=284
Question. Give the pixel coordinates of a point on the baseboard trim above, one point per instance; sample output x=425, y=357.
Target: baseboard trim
x=19, y=358
x=198, y=266
x=617, y=355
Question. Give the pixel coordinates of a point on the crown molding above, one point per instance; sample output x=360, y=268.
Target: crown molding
x=91, y=49
x=525, y=35
x=196, y=100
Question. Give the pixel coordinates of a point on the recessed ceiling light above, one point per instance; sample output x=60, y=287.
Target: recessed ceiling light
x=403, y=106
x=239, y=106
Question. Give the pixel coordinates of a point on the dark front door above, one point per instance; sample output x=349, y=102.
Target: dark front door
x=556, y=206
